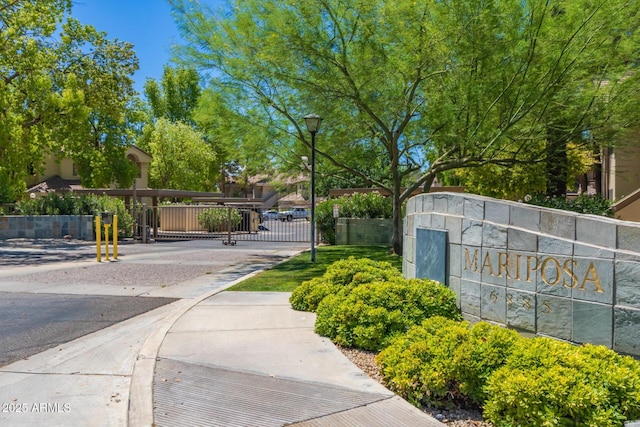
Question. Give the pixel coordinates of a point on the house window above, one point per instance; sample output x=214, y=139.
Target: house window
x=74, y=172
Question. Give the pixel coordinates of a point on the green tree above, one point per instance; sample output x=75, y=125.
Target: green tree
x=98, y=144
x=182, y=160
x=433, y=85
x=183, y=156
x=61, y=93
x=176, y=96
x=520, y=179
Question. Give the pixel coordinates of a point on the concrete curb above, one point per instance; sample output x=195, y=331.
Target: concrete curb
x=140, y=411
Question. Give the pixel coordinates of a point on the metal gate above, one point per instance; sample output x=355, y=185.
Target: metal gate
x=229, y=224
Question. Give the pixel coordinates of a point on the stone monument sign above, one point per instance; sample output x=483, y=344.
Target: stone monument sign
x=543, y=271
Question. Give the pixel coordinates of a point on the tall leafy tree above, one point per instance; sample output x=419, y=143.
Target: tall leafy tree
x=103, y=69
x=182, y=160
x=237, y=139
x=176, y=96
x=433, y=85
x=63, y=90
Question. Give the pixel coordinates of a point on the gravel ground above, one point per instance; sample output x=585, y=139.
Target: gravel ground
x=365, y=360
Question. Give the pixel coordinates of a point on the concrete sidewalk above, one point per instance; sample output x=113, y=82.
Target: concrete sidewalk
x=214, y=358
x=248, y=359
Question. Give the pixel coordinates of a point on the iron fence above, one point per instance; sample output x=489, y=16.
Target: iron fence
x=228, y=224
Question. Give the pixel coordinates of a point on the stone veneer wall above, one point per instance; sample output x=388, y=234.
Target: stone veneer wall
x=46, y=227
x=555, y=273
x=364, y=231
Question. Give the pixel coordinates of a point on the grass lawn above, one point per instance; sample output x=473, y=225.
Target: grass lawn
x=286, y=276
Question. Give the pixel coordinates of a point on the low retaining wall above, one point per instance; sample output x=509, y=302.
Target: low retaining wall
x=545, y=271
x=361, y=231
x=46, y=227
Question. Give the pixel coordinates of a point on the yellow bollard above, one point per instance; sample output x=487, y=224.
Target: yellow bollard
x=98, y=244
x=106, y=241
x=115, y=237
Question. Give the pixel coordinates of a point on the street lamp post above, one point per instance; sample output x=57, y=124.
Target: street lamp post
x=313, y=124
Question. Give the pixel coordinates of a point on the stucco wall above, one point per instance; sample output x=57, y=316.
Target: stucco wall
x=549, y=272
x=624, y=175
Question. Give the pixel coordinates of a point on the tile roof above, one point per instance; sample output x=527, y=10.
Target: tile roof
x=56, y=183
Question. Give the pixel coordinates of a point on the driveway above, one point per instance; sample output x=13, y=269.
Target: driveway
x=53, y=291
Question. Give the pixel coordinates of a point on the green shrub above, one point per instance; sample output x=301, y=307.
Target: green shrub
x=217, y=219
x=486, y=350
x=72, y=204
x=445, y=363
x=344, y=273
x=519, y=381
x=369, y=205
x=359, y=271
x=584, y=203
x=552, y=383
x=99, y=204
x=419, y=365
x=369, y=315
x=308, y=295
x=52, y=204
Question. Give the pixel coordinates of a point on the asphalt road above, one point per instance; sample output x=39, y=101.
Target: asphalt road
x=21, y=252
x=31, y=323
x=53, y=291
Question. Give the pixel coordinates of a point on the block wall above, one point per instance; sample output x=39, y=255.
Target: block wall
x=544, y=271
x=46, y=227
x=364, y=231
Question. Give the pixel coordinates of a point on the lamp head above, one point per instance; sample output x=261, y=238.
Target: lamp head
x=313, y=122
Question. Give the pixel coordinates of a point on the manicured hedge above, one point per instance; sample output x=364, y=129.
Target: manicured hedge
x=594, y=204
x=344, y=273
x=443, y=362
x=518, y=381
x=363, y=303
x=218, y=219
x=368, y=316
x=419, y=364
x=549, y=382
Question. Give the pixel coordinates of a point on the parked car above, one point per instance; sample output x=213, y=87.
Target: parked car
x=270, y=214
x=295, y=213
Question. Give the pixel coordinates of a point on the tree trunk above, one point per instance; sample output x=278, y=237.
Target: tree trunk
x=597, y=173
x=398, y=221
x=556, y=164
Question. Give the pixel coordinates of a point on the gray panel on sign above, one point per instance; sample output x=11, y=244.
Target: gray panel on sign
x=521, y=310
x=493, y=303
x=627, y=333
x=592, y=323
x=555, y=317
x=431, y=254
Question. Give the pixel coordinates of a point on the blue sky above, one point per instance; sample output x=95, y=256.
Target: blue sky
x=147, y=24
